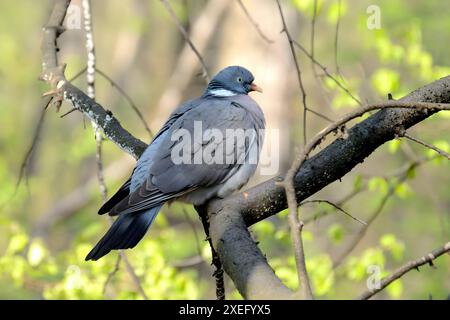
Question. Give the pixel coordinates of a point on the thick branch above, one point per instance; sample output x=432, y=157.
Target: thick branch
x=53, y=73
x=327, y=166
x=242, y=259
x=338, y=158
x=111, y=127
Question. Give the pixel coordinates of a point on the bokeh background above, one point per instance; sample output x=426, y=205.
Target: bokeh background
x=49, y=222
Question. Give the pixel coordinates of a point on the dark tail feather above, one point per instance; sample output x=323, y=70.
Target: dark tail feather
x=122, y=193
x=126, y=231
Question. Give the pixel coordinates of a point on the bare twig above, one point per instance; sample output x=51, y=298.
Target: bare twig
x=336, y=36
x=312, y=37
x=296, y=225
x=339, y=203
x=112, y=273
x=203, y=29
x=297, y=68
x=132, y=273
x=253, y=22
x=61, y=89
x=339, y=124
x=328, y=74
x=299, y=77
x=128, y=98
x=336, y=206
x=78, y=74
x=414, y=264
x=186, y=38
x=90, y=77
x=428, y=145
x=25, y=162
x=189, y=262
x=397, y=173
x=31, y=148
x=98, y=137
x=400, y=177
x=289, y=180
x=362, y=231
x=68, y=112
x=90, y=49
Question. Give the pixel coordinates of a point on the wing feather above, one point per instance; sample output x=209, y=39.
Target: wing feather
x=167, y=180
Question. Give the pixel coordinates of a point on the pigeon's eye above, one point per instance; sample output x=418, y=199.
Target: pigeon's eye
x=239, y=79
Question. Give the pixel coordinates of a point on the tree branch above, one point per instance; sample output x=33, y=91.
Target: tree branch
x=327, y=166
x=339, y=157
x=362, y=231
x=415, y=264
x=53, y=73
x=295, y=224
x=241, y=257
x=253, y=22
x=336, y=36
x=297, y=68
x=327, y=73
x=105, y=119
x=428, y=145
x=216, y=261
x=187, y=38
x=128, y=99
x=335, y=206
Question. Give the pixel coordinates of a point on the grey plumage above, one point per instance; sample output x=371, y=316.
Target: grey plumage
x=156, y=179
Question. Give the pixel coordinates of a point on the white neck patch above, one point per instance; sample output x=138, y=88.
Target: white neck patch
x=222, y=93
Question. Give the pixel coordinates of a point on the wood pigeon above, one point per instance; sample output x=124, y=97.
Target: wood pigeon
x=231, y=130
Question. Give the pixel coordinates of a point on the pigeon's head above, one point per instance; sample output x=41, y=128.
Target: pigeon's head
x=232, y=81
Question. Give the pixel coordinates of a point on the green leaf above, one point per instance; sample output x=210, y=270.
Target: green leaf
x=343, y=100
x=440, y=144
x=320, y=269
x=390, y=243
x=411, y=173
x=36, y=252
x=307, y=6
x=335, y=233
x=378, y=184
x=373, y=256
x=385, y=81
x=357, y=182
x=264, y=228
x=393, y=145
x=335, y=11
x=17, y=243
x=403, y=190
x=395, y=289
x=288, y=276
x=307, y=235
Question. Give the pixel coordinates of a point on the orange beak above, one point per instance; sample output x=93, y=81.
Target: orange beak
x=255, y=87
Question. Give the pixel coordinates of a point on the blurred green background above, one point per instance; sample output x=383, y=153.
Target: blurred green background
x=49, y=223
